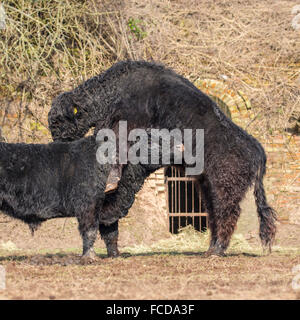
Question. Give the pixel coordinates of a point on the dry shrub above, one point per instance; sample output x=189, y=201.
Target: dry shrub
x=50, y=46
x=251, y=42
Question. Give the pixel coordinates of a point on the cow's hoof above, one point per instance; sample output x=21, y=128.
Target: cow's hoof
x=266, y=250
x=113, y=254
x=213, y=253
x=88, y=258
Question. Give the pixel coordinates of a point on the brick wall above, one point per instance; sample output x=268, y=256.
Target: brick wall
x=282, y=180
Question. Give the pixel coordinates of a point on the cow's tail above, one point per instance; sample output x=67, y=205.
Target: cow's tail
x=266, y=214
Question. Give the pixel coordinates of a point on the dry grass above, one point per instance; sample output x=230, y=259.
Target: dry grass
x=190, y=240
x=169, y=269
x=154, y=277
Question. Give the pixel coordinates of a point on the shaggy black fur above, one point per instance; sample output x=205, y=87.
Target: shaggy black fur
x=64, y=179
x=150, y=95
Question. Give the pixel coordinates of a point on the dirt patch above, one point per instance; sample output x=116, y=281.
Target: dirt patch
x=151, y=276
x=170, y=269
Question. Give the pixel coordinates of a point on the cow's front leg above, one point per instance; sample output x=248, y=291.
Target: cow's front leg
x=88, y=228
x=88, y=239
x=110, y=236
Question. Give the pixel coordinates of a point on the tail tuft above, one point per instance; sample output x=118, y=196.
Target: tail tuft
x=267, y=228
x=267, y=215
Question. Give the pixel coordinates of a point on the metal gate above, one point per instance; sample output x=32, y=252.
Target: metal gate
x=184, y=201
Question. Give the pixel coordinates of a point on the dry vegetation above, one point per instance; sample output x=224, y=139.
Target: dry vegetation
x=167, y=269
x=50, y=46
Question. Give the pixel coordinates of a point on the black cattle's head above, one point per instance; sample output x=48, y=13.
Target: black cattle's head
x=67, y=120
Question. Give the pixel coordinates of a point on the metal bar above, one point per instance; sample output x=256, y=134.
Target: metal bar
x=199, y=197
x=176, y=195
x=167, y=199
x=181, y=179
x=193, y=197
x=188, y=214
x=172, y=183
x=186, y=202
x=179, y=196
x=207, y=221
x=194, y=201
x=172, y=204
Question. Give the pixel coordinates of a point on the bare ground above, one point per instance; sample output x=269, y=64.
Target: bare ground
x=167, y=271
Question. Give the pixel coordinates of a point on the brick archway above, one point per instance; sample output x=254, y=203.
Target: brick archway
x=234, y=104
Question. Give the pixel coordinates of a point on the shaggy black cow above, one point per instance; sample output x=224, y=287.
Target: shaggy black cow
x=64, y=179
x=149, y=95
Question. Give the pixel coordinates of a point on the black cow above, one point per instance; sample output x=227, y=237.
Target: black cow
x=64, y=179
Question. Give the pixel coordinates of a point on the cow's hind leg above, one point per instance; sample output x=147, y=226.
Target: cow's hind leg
x=208, y=205
x=222, y=228
x=225, y=211
x=110, y=235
